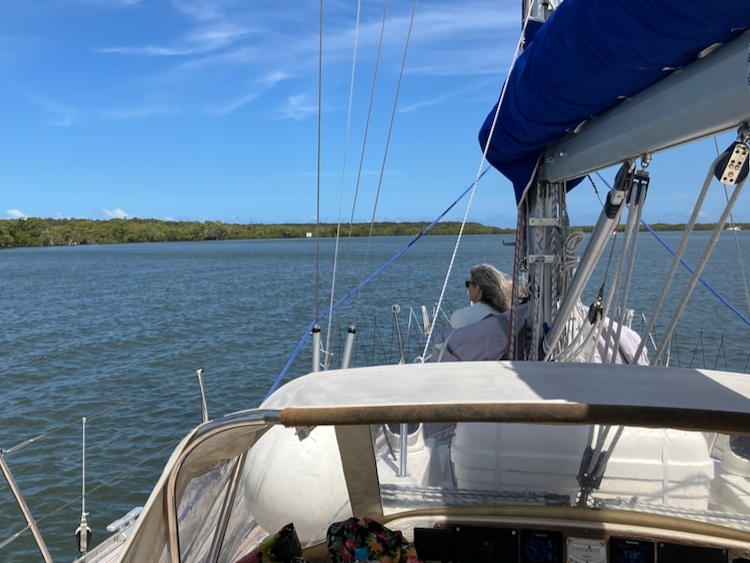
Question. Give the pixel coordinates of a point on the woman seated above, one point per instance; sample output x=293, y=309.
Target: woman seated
x=480, y=331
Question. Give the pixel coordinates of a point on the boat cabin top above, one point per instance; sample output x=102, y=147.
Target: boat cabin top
x=578, y=457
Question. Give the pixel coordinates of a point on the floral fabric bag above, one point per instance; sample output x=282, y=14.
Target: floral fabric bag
x=383, y=545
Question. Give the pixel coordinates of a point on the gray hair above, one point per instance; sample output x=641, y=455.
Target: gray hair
x=496, y=286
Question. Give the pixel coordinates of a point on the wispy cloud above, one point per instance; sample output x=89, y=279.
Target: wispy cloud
x=62, y=115
x=461, y=93
x=456, y=20
x=274, y=78
x=230, y=107
x=298, y=108
x=215, y=30
x=203, y=10
x=198, y=41
x=113, y=3
x=115, y=214
x=102, y=3
x=424, y=103
x=221, y=36
x=141, y=112
x=15, y=214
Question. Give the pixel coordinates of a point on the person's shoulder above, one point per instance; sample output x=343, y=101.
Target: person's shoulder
x=471, y=315
x=459, y=317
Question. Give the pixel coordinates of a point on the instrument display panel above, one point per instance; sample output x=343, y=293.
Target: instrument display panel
x=626, y=550
x=538, y=546
x=478, y=543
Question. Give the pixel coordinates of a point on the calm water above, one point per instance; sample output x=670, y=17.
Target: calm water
x=115, y=334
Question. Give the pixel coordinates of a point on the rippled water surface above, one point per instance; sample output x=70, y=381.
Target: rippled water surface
x=115, y=334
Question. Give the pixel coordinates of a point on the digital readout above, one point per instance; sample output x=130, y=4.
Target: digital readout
x=625, y=550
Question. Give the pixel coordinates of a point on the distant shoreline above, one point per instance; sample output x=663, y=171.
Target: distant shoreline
x=34, y=231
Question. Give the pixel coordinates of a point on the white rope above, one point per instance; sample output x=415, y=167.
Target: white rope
x=578, y=343
x=570, y=257
x=519, y=271
x=549, y=281
x=560, y=241
x=538, y=282
x=560, y=236
x=476, y=181
x=575, y=330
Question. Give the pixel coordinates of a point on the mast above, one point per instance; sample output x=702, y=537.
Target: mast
x=539, y=10
x=541, y=230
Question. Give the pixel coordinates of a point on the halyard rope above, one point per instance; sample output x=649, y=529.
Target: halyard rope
x=476, y=181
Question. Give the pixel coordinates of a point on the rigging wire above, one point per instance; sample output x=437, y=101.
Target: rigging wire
x=701, y=263
x=596, y=191
x=516, y=54
x=343, y=178
x=320, y=120
x=700, y=279
x=739, y=255
x=736, y=241
x=372, y=276
x=686, y=266
x=364, y=141
x=629, y=245
x=387, y=145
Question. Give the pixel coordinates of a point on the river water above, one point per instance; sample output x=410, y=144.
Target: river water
x=116, y=333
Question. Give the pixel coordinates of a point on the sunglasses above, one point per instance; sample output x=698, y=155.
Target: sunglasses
x=469, y=282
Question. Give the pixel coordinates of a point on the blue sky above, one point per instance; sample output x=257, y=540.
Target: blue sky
x=207, y=110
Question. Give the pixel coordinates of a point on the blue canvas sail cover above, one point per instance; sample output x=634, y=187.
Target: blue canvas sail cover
x=589, y=55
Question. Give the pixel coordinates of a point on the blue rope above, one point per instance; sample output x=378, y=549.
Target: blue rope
x=361, y=285
x=689, y=269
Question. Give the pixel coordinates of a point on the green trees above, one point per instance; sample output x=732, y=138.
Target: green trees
x=34, y=231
